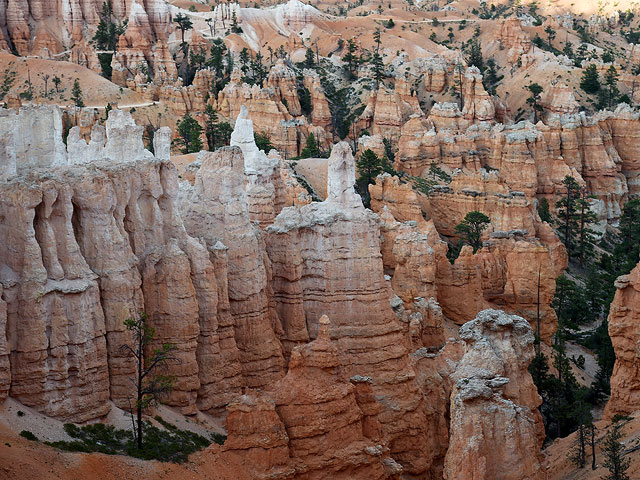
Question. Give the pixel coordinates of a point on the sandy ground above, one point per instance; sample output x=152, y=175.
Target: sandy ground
x=22, y=459
x=559, y=466
x=181, y=161
x=314, y=171
x=97, y=91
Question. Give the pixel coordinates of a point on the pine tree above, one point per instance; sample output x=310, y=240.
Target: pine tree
x=149, y=385
x=543, y=210
x=568, y=216
x=259, y=70
x=56, y=82
x=234, y=23
x=210, y=125
x=590, y=82
x=184, y=24
x=369, y=167
x=611, y=81
x=189, y=131
x=350, y=57
x=551, y=34
x=310, y=149
x=471, y=228
x=244, y=60
x=309, y=58
x=586, y=236
x=490, y=79
x=534, y=99
x=76, y=94
x=263, y=142
x=218, y=49
x=376, y=60
x=474, y=55
x=613, y=459
x=568, y=50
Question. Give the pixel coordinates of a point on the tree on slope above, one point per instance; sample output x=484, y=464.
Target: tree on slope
x=76, y=94
x=189, y=131
x=150, y=386
x=534, y=99
x=590, y=82
x=471, y=228
x=613, y=451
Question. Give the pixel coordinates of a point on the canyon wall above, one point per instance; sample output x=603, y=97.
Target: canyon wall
x=496, y=429
x=239, y=271
x=623, y=319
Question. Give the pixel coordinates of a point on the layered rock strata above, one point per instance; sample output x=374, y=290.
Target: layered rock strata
x=496, y=431
x=326, y=259
x=625, y=337
x=216, y=209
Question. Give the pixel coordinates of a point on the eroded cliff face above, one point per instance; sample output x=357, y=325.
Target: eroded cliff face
x=531, y=159
x=239, y=271
x=46, y=28
x=326, y=259
x=216, y=209
x=314, y=423
x=625, y=337
x=502, y=274
x=496, y=431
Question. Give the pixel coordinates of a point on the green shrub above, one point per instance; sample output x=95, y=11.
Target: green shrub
x=168, y=445
x=618, y=417
x=28, y=435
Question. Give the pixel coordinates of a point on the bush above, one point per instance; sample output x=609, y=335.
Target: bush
x=618, y=417
x=168, y=445
x=28, y=435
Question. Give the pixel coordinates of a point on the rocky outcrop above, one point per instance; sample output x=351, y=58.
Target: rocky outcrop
x=276, y=110
x=256, y=434
x=42, y=28
x=313, y=423
x=512, y=37
x=216, y=210
x=388, y=110
x=328, y=431
x=100, y=243
x=268, y=184
x=503, y=274
x=20, y=153
x=625, y=337
x=326, y=259
x=559, y=99
x=478, y=106
x=483, y=192
x=496, y=431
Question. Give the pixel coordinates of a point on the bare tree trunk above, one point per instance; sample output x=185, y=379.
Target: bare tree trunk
x=593, y=447
x=139, y=402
